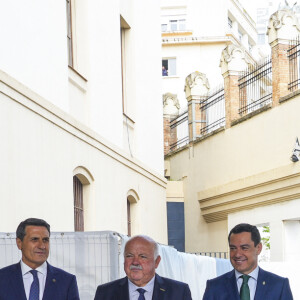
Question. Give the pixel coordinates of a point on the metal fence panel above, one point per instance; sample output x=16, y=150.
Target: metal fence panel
x=255, y=87
x=91, y=256
x=294, y=66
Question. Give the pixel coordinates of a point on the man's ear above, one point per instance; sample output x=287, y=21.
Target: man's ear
x=19, y=243
x=259, y=248
x=157, y=261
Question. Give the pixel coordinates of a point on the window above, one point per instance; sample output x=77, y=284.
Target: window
x=240, y=35
x=169, y=67
x=69, y=33
x=78, y=204
x=164, y=27
x=261, y=39
x=124, y=31
x=128, y=218
x=173, y=25
x=182, y=24
x=229, y=23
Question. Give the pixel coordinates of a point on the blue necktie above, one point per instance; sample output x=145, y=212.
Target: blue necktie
x=34, y=293
x=142, y=292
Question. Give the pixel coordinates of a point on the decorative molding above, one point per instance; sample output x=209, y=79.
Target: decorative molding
x=233, y=59
x=196, y=78
x=171, y=104
x=196, y=84
x=283, y=24
x=248, y=193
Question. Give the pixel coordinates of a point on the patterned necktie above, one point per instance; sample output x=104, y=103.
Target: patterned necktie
x=142, y=292
x=245, y=291
x=34, y=293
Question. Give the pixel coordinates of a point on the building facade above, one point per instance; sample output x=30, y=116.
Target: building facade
x=81, y=129
x=248, y=169
x=193, y=39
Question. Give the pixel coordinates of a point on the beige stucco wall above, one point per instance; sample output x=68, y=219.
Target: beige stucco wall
x=252, y=153
x=41, y=148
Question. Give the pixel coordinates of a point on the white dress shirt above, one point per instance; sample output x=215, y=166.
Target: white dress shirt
x=252, y=283
x=28, y=278
x=134, y=294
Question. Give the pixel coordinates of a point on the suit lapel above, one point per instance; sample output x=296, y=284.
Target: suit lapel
x=159, y=290
x=50, y=291
x=262, y=284
x=123, y=291
x=17, y=284
x=232, y=286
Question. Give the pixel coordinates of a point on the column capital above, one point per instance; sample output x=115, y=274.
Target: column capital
x=196, y=84
x=283, y=26
x=233, y=60
x=171, y=104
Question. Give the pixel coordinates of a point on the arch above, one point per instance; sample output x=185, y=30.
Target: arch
x=132, y=199
x=132, y=196
x=83, y=174
x=82, y=179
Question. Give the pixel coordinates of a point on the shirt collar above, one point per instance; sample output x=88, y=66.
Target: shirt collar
x=253, y=274
x=25, y=268
x=148, y=287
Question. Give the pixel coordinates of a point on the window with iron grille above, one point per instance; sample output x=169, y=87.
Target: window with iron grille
x=69, y=33
x=128, y=217
x=78, y=204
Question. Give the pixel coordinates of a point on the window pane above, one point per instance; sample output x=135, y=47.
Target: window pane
x=182, y=24
x=164, y=27
x=173, y=25
x=172, y=66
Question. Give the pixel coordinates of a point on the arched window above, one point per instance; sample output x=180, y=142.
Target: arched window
x=128, y=218
x=78, y=204
x=82, y=180
x=132, y=199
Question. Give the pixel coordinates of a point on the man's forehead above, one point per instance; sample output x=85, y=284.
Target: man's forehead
x=139, y=245
x=241, y=238
x=36, y=230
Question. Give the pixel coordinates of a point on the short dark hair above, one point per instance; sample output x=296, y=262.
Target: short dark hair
x=21, y=230
x=244, y=227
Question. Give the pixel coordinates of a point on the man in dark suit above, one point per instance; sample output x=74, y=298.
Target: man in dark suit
x=247, y=281
x=33, y=278
x=140, y=261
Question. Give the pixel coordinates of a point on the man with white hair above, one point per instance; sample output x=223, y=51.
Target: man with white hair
x=141, y=258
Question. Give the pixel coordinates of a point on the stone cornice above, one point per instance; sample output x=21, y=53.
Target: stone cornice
x=271, y=187
x=195, y=40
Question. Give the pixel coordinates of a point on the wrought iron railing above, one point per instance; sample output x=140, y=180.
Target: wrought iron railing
x=213, y=111
x=294, y=66
x=180, y=124
x=255, y=87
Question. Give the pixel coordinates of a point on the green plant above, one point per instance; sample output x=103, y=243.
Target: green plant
x=266, y=240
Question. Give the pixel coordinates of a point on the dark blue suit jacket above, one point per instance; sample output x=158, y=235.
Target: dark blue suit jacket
x=60, y=285
x=269, y=287
x=164, y=289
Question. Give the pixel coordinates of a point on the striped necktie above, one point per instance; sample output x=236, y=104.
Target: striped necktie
x=34, y=293
x=245, y=291
x=142, y=292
